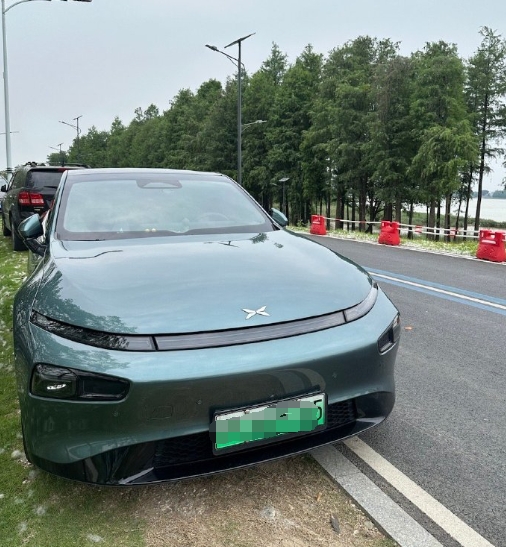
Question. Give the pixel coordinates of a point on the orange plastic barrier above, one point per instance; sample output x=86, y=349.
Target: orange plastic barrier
x=389, y=233
x=491, y=246
x=318, y=225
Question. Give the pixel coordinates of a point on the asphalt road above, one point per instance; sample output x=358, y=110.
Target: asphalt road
x=448, y=429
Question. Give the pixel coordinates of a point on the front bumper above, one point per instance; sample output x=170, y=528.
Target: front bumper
x=160, y=431
x=191, y=455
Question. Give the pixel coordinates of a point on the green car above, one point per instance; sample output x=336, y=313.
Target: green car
x=170, y=327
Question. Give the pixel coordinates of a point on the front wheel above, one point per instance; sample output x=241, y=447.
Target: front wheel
x=5, y=231
x=27, y=454
x=17, y=243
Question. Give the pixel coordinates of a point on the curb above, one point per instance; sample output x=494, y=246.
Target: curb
x=386, y=514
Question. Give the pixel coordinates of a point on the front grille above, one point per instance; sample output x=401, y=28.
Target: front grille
x=190, y=448
x=198, y=447
x=341, y=413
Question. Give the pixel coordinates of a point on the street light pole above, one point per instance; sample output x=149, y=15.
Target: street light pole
x=78, y=133
x=239, y=106
x=8, y=155
x=61, y=155
x=6, y=82
x=6, y=98
x=283, y=195
x=76, y=127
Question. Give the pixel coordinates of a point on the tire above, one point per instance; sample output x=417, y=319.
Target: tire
x=17, y=242
x=27, y=454
x=5, y=231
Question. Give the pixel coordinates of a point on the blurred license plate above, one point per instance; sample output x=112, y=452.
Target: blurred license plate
x=256, y=425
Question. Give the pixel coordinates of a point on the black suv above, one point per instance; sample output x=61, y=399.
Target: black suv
x=31, y=190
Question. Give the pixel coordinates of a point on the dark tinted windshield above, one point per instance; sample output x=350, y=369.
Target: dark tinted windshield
x=43, y=179
x=129, y=205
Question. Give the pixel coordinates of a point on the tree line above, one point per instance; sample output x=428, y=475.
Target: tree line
x=363, y=133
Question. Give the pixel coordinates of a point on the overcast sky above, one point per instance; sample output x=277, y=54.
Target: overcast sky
x=104, y=59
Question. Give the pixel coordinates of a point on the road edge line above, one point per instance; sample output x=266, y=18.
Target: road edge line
x=436, y=511
x=388, y=516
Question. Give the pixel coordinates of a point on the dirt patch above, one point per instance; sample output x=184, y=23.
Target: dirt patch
x=291, y=502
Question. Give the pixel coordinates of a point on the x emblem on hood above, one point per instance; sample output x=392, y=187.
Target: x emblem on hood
x=252, y=313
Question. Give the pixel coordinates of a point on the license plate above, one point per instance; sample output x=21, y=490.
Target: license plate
x=260, y=424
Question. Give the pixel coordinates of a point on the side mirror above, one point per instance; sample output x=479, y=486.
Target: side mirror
x=4, y=188
x=279, y=217
x=30, y=229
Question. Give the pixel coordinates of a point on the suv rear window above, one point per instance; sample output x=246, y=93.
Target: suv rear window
x=43, y=179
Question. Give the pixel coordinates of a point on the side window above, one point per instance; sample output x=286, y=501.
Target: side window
x=11, y=182
x=20, y=179
x=17, y=180
x=47, y=219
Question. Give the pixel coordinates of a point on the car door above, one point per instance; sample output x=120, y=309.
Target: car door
x=10, y=200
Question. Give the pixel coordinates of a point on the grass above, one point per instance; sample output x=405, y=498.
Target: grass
x=37, y=508
x=459, y=247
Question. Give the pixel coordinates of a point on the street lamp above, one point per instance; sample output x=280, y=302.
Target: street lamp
x=6, y=81
x=283, y=197
x=76, y=127
x=61, y=155
x=244, y=125
x=229, y=57
x=239, y=99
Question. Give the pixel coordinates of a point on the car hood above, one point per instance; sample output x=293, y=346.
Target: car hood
x=194, y=284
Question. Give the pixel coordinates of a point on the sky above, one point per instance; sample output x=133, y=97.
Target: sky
x=105, y=58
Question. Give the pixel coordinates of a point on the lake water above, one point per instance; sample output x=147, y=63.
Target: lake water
x=492, y=209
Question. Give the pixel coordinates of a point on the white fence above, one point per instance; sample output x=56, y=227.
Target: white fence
x=405, y=229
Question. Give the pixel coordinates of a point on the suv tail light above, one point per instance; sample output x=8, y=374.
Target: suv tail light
x=31, y=198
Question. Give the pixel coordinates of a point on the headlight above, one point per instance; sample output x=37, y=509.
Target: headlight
x=358, y=311
x=54, y=382
x=92, y=337
x=390, y=337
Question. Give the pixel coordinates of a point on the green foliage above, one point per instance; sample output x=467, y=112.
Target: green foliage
x=57, y=158
x=439, y=113
x=260, y=95
x=363, y=128
x=485, y=94
x=289, y=120
x=90, y=148
x=392, y=146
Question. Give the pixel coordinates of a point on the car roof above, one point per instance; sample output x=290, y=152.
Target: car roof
x=139, y=171
x=45, y=167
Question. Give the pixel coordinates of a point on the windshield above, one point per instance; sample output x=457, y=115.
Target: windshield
x=101, y=207
x=43, y=179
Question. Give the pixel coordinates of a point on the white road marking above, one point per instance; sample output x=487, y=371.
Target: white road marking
x=442, y=291
x=389, y=516
x=442, y=516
